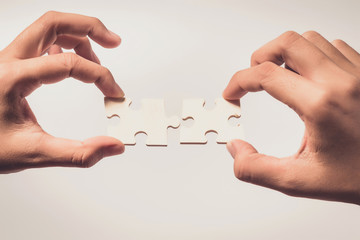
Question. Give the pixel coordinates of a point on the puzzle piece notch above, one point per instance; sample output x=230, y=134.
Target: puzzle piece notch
x=214, y=120
x=150, y=119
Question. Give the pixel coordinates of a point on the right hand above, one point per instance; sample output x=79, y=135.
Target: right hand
x=321, y=83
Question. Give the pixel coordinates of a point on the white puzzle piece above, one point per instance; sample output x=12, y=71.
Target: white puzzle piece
x=215, y=120
x=151, y=120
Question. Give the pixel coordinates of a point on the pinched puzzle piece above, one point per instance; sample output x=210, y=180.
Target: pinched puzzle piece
x=215, y=120
x=151, y=120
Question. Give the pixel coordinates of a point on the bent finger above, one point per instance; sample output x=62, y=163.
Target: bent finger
x=299, y=54
x=81, y=46
x=347, y=51
x=284, y=85
x=40, y=35
x=53, y=68
x=332, y=52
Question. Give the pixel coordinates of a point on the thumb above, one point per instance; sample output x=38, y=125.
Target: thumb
x=260, y=169
x=72, y=153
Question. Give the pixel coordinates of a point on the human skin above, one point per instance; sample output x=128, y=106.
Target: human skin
x=23, y=68
x=321, y=83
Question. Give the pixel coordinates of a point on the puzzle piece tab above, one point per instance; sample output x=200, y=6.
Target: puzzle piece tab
x=151, y=120
x=215, y=120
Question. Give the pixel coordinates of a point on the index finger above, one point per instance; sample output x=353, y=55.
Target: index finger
x=54, y=68
x=288, y=87
x=39, y=36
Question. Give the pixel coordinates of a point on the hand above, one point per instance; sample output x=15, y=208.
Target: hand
x=22, y=70
x=321, y=83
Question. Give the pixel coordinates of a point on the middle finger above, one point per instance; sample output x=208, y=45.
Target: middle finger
x=332, y=52
x=300, y=55
x=40, y=35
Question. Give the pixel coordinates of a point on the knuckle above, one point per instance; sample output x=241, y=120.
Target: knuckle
x=351, y=88
x=70, y=60
x=241, y=173
x=242, y=169
x=338, y=43
x=254, y=56
x=46, y=25
x=49, y=16
x=80, y=160
x=237, y=75
x=87, y=158
x=288, y=38
x=321, y=108
x=257, y=58
x=106, y=71
x=334, y=99
x=283, y=42
x=311, y=35
x=104, y=74
x=267, y=68
x=289, y=34
x=96, y=21
x=86, y=42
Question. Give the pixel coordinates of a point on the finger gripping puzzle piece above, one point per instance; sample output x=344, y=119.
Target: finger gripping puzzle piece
x=151, y=120
x=215, y=120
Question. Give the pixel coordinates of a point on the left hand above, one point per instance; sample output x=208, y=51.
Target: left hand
x=24, y=144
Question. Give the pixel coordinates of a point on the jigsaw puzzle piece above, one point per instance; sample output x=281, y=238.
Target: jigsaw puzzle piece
x=193, y=108
x=215, y=120
x=227, y=110
x=125, y=129
x=156, y=122
x=150, y=119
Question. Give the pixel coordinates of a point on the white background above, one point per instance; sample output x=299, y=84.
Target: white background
x=172, y=49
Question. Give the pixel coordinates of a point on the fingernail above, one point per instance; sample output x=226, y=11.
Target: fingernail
x=114, y=35
x=114, y=150
x=118, y=91
x=230, y=147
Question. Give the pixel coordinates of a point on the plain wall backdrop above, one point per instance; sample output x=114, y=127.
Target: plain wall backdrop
x=172, y=50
